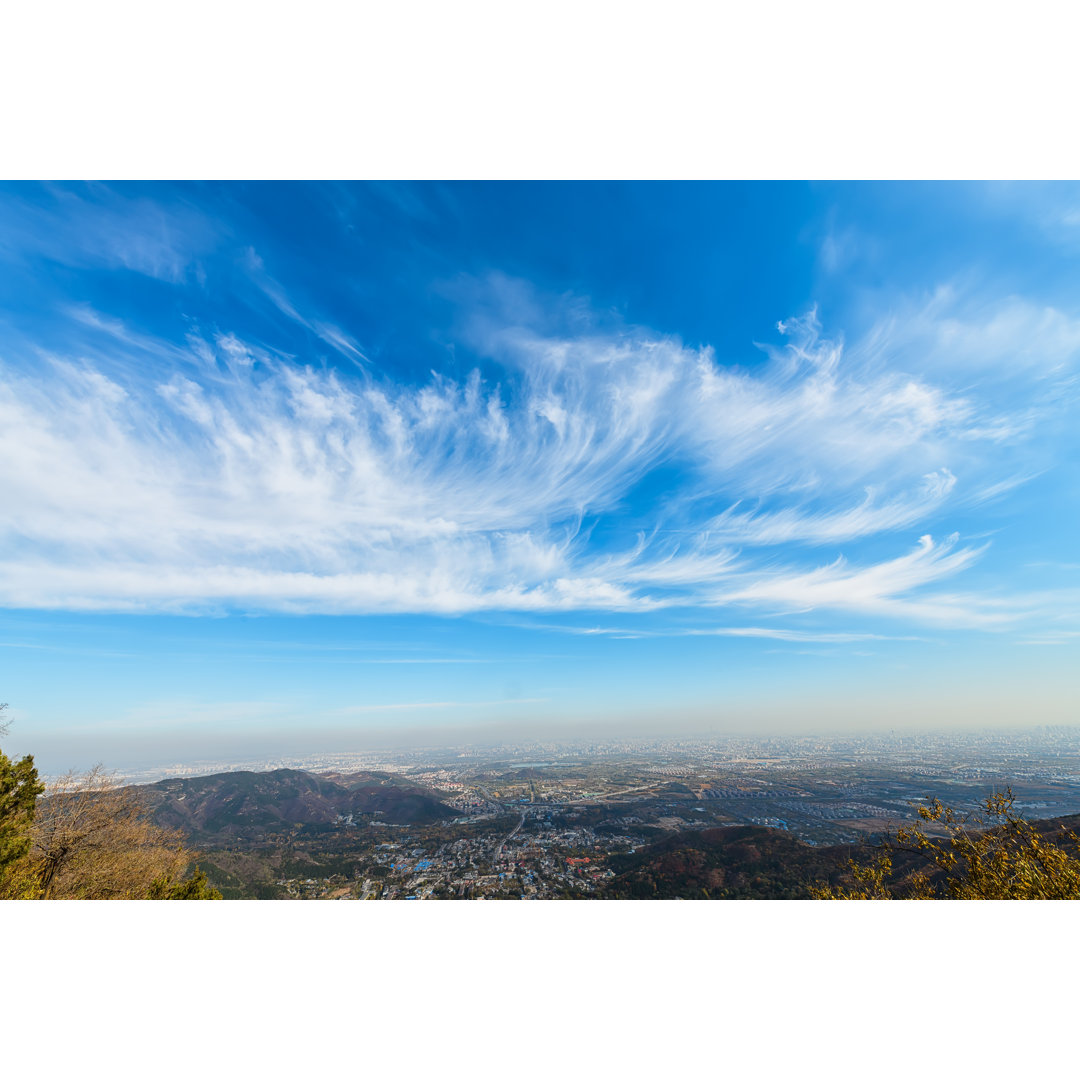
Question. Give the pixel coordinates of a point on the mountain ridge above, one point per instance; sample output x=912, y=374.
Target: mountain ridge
x=239, y=803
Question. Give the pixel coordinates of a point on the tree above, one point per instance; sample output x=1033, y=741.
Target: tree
x=19, y=790
x=87, y=838
x=990, y=855
x=196, y=887
x=93, y=840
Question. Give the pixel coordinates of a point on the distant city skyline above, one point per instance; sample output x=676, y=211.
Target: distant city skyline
x=315, y=461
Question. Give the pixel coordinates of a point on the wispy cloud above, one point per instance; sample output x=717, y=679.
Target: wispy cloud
x=881, y=588
x=222, y=475
x=869, y=516
x=1000, y=340
x=770, y=632
x=100, y=226
x=411, y=705
x=334, y=336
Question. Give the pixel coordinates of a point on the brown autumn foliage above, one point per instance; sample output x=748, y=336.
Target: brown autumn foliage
x=993, y=854
x=93, y=840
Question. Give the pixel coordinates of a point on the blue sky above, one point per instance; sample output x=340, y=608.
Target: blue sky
x=288, y=464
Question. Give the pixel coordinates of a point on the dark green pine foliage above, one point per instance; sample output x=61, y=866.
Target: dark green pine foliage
x=196, y=887
x=19, y=789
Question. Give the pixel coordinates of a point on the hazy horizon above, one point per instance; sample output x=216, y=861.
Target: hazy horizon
x=132, y=750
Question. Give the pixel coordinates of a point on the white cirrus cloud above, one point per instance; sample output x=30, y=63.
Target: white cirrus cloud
x=98, y=226
x=217, y=474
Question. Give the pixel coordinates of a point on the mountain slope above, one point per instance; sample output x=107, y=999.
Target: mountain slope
x=748, y=862
x=250, y=804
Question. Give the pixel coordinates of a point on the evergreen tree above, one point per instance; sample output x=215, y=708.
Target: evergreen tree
x=19, y=789
x=196, y=887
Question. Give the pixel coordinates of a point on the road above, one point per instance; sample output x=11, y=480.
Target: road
x=602, y=798
x=517, y=829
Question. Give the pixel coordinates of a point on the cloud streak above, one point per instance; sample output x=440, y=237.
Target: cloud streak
x=106, y=228
x=220, y=475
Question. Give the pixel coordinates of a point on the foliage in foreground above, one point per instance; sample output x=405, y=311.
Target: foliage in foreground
x=86, y=837
x=196, y=887
x=19, y=791
x=93, y=840
x=990, y=855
